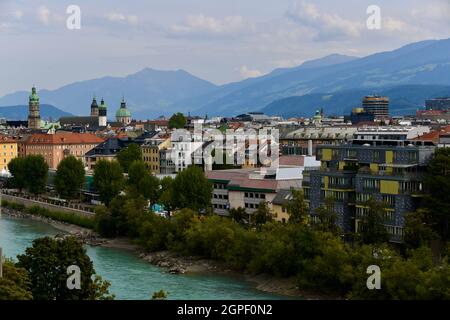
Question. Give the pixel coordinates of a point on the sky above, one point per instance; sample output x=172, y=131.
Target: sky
x=220, y=41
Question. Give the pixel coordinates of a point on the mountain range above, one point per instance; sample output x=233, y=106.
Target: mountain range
x=408, y=75
x=20, y=112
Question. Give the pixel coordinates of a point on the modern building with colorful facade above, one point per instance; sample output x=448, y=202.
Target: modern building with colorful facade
x=351, y=174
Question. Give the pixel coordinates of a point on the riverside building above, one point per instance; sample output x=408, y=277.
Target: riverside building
x=350, y=174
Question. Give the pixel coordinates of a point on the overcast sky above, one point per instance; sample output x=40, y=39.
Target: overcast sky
x=218, y=40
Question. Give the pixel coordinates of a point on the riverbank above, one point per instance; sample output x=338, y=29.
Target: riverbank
x=174, y=263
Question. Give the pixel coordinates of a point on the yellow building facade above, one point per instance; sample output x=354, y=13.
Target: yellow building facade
x=8, y=151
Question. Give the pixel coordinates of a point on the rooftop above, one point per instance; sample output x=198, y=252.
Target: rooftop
x=63, y=138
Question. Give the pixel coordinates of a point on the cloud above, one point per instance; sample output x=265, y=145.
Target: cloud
x=203, y=25
x=123, y=18
x=17, y=14
x=43, y=15
x=247, y=73
x=326, y=26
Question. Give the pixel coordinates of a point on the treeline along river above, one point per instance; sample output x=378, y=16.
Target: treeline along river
x=131, y=277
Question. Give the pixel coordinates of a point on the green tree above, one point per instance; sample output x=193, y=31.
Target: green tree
x=177, y=121
x=166, y=197
x=69, y=178
x=136, y=172
x=296, y=207
x=437, y=188
x=372, y=222
x=124, y=216
x=108, y=179
x=129, y=154
x=419, y=229
x=327, y=218
x=15, y=284
x=262, y=215
x=17, y=169
x=192, y=189
x=36, y=172
x=47, y=262
x=142, y=182
x=238, y=214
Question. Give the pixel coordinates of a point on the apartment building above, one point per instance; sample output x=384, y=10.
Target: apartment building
x=304, y=141
x=151, y=153
x=8, y=151
x=55, y=147
x=352, y=173
x=247, y=188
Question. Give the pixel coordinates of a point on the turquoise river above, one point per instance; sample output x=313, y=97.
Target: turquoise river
x=131, y=277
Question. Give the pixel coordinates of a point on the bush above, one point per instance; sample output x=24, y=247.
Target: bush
x=71, y=218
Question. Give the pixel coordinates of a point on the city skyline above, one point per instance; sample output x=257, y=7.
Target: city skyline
x=226, y=42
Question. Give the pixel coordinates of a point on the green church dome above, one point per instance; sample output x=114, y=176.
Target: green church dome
x=102, y=105
x=123, y=111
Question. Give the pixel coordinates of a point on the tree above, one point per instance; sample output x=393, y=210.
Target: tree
x=327, y=218
x=373, y=230
x=129, y=154
x=419, y=229
x=191, y=189
x=136, y=172
x=17, y=169
x=143, y=183
x=166, y=194
x=124, y=217
x=437, y=188
x=108, y=179
x=296, y=208
x=149, y=188
x=36, y=172
x=69, y=177
x=15, y=284
x=262, y=215
x=47, y=262
x=177, y=121
x=238, y=214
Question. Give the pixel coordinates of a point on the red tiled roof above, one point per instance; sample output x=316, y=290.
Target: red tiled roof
x=433, y=135
x=240, y=179
x=430, y=112
x=6, y=139
x=64, y=138
x=255, y=184
x=226, y=174
x=159, y=122
x=292, y=161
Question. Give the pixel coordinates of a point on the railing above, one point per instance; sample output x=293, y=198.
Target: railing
x=54, y=202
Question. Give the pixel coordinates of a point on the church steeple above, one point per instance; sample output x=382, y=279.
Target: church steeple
x=94, y=108
x=34, y=117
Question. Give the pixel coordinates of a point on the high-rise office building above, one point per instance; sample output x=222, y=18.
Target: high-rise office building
x=376, y=105
x=438, y=104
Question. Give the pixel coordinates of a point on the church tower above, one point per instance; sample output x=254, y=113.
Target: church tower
x=102, y=114
x=123, y=115
x=94, y=108
x=34, y=117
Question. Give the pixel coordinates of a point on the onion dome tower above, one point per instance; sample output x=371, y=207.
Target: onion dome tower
x=123, y=115
x=94, y=108
x=102, y=114
x=34, y=117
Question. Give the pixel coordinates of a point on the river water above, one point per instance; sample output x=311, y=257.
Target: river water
x=130, y=277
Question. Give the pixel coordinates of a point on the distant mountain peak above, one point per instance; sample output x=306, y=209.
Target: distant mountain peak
x=328, y=60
